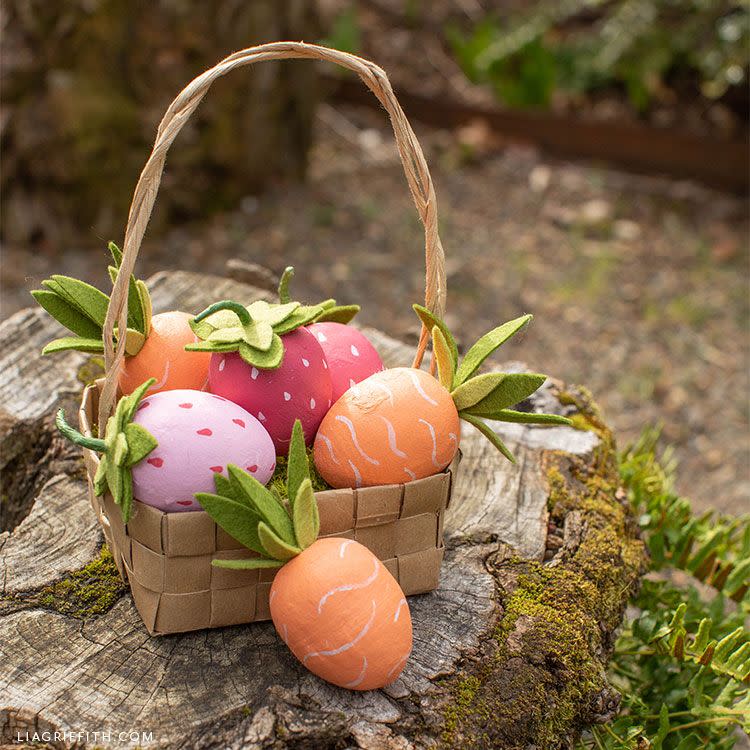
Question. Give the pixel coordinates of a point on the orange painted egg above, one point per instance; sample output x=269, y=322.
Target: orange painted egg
x=163, y=357
x=396, y=426
x=343, y=615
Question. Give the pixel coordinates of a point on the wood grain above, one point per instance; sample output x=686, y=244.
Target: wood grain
x=240, y=687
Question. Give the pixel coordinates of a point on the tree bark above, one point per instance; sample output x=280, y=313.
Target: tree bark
x=509, y=652
x=84, y=87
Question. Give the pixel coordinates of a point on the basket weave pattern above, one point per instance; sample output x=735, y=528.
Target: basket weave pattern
x=166, y=557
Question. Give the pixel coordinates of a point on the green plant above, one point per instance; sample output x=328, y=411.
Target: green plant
x=682, y=663
x=638, y=45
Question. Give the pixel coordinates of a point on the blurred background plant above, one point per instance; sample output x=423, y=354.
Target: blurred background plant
x=574, y=48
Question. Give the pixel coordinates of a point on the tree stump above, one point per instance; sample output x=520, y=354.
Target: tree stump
x=509, y=652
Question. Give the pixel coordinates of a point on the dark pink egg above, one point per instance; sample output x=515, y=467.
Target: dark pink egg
x=299, y=389
x=351, y=357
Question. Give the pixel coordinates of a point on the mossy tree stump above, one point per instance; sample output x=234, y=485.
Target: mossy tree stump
x=509, y=652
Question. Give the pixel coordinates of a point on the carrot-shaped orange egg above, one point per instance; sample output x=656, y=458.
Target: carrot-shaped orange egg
x=333, y=603
x=402, y=424
x=154, y=344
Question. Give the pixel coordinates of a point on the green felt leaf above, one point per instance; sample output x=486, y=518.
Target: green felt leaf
x=298, y=469
x=237, y=519
x=338, y=314
x=210, y=346
x=445, y=366
x=100, y=478
x=274, y=545
x=120, y=453
x=225, y=488
x=284, y=282
x=74, y=343
x=487, y=344
x=268, y=360
x=114, y=480
x=476, y=389
x=306, y=520
x=259, y=335
x=145, y=299
x=525, y=417
x=252, y=563
x=302, y=316
x=126, y=501
x=69, y=315
x=430, y=320
x=134, y=341
x=267, y=506
x=201, y=328
x=140, y=443
x=489, y=434
x=231, y=335
x=272, y=314
x=129, y=404
x=116, y=253
x=88, y=299
x=512, y=389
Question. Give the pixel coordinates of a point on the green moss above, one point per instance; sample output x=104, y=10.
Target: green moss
x=539, y=677
x=278, y=480
x=84, y=593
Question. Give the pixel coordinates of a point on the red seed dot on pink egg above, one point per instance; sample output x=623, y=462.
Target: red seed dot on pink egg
x=205, y=431
x=186, y=406
x=157, y=462
x=217, y=469
x=239, y=422
x=252, y=469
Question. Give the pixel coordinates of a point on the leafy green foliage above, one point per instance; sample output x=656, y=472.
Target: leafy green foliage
x=682, y=662
x=635, y=44
x=259, y=518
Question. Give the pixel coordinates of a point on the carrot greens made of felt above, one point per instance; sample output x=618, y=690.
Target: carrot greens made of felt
x=255, y=330
x=82, y=308
x=258, y=518
x=124, y=445
x=488, y=395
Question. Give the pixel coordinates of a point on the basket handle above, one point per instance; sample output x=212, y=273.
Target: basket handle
x=179, y=112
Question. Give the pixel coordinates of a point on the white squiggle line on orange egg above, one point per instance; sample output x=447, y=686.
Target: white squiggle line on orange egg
x=385, y=388
x=392, y=438
x=361, y=676
x=340, y=650
x=343, y=547
x=350, y=586
x=410, y=473
x=162, y=382
x=329, y=445
x=434, y=443
x=353, y=433
x=357, y=475
x=398, y=610
x=273, y=594
x=420, y=391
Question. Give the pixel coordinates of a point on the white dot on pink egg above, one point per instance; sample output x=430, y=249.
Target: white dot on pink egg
x=254, y=373
x=222, y=364
x=321, y=337
x=355, y=351
x=312, y=403
x=287, y=396
x=261, y=416
x=305, y=362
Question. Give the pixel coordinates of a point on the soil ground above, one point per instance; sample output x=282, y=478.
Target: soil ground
x=639, y=285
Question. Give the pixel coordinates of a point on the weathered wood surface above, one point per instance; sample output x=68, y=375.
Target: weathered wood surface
x=239, y=687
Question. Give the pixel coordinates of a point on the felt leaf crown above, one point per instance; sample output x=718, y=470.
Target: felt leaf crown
x=488, y=395
x=82, y=308
x=258, y=518
x=124, y=445
x=255, y=330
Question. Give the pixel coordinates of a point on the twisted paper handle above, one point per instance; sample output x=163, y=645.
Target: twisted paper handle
x=178, y=113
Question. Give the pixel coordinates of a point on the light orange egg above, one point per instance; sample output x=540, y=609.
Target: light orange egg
x=396, y=426
x=343, y=615
x=163, y=357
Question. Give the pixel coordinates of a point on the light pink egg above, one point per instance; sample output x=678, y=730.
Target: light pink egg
x=198, y=433
x=351, y=357
x=299, y=389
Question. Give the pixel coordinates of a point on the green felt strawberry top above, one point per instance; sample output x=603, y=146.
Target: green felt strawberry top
x=124, y=445
x=488, y=395
x=255, y=330
x=82, y=308
x=258, y=518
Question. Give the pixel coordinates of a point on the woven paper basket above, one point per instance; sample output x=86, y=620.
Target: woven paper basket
x=166, y=557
